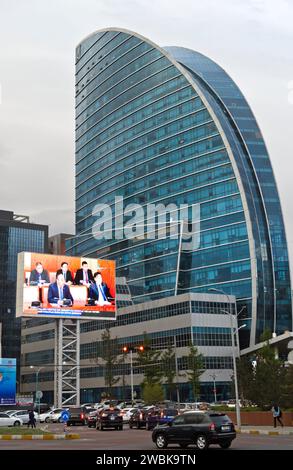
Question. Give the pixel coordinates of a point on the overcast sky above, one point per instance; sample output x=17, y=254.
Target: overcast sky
x=251, y=39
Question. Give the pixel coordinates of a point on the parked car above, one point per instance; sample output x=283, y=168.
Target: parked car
x=87, y=412
x=232, y=403
x=52, y=416
x=109, y=403
x=46, y=417
x=198, y=428
x=23, y=415
x=6, y=420
x=92, y=418
x=55, y=416
x=110, y=418
x=138, y=419
x=160, y=417
x=127, y=413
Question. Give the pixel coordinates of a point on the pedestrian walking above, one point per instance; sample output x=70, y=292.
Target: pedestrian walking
x=32, y=419
x=277, y=414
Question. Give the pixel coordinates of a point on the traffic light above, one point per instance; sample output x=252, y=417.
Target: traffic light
x=140, y=348
x=125, y=349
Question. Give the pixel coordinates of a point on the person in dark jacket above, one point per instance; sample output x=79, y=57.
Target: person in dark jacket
x=32, y=419
x=39, y=276
x=84, y=275
x=59, y=291
x=66, y=273
x=99, y=291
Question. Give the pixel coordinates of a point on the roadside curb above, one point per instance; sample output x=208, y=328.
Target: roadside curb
x=42, y=437
x=264, y=432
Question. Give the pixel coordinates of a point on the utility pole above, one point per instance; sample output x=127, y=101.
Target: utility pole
x=177, y=374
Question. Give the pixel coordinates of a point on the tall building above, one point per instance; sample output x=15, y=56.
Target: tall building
x=57, y=243
x=16, y=234
x=168, y=125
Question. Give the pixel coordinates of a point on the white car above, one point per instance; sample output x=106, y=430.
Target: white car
x=46, y=417
x=127, y=413
x=56, y=415
x=23, y=415
x=6, y=420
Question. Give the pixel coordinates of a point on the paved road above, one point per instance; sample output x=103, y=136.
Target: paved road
x=129, y=439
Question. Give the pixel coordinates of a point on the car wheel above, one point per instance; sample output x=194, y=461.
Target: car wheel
x=183, y=446
x=225, y=444
x=16, y=423
x=201, y=442
x=130, y=426
x=47, y=420
x=161, y=441
x=59, y=420
x=120, y=428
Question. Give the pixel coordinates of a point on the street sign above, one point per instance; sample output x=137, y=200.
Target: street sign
x=39, y=394
x=65, y=415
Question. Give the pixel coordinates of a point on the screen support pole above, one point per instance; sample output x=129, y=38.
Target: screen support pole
x=67, y=363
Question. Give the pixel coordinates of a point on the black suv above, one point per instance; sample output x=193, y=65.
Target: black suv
x=76, y=416
x=110, y=418
x=139, y=418
x=198, y=428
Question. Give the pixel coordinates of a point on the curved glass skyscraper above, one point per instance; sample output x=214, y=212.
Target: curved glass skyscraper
x=170, y=126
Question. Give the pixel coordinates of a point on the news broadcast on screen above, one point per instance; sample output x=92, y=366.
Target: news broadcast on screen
x=65, y=287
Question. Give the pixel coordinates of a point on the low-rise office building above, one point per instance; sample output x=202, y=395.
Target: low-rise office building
x=198, y=319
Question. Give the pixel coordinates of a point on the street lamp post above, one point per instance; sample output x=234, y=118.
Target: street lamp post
x=37, y=386
x=130, y=350
x=177, y=374
x=131, y=377
x=213, y=376
x=275, y=314
x=238, y=417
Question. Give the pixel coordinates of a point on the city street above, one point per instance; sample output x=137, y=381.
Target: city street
x=132, y=439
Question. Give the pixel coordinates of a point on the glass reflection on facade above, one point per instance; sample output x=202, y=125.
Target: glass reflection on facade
x=15, y=237
x=170, y=126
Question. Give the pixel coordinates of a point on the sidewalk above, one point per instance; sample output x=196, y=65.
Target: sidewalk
x=267, y=430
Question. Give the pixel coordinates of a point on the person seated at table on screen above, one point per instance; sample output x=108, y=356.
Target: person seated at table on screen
x=99, y=291
x=59, y=292
x=84, y=275
x=66, y=273
x=39, y=276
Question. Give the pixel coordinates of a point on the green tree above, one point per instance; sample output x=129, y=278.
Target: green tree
x=169, y=369
x=149, y=361
x=245, y=375
x=109, y=354
x=287, y=388
x=194, y=370
x=268, y=378
x=152, y=393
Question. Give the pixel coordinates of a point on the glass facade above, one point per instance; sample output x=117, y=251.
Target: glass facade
x=170, y=126
x=14, y=238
